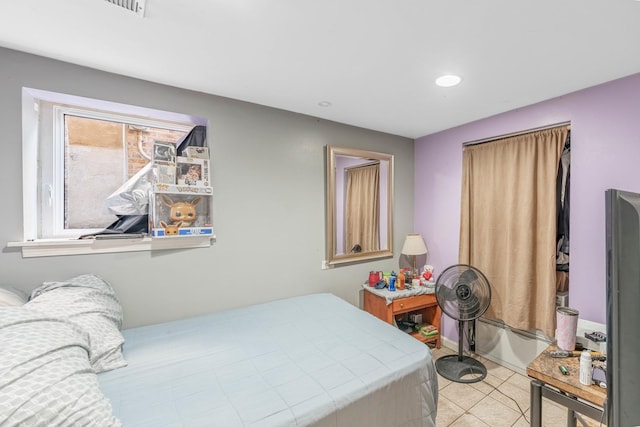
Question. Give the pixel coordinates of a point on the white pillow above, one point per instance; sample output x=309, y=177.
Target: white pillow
x=89, y=302
x=10, y=296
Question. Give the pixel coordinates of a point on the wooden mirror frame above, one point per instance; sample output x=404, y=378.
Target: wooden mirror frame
x=333, y=257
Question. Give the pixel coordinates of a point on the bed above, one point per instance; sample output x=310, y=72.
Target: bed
x=309, y=360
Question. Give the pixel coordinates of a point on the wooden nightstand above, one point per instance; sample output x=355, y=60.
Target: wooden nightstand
x=424, y=304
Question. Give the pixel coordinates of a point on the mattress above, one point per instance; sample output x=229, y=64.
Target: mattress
x=310, y=360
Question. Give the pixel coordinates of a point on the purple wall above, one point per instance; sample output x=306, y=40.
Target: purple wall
x=605, y=153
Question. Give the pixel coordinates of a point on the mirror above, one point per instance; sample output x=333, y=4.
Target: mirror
x=359, y=205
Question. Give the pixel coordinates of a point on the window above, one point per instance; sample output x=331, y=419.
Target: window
x=78, y=151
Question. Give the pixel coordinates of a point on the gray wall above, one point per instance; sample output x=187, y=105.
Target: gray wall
x=269, y=210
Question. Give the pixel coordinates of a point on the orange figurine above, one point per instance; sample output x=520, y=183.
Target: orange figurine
x=401, y=278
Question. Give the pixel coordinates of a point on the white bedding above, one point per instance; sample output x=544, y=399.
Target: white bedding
x=313, y=360
x=46, y=378
x=89, y=302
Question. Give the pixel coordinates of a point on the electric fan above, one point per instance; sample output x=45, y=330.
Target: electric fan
x=463, y=293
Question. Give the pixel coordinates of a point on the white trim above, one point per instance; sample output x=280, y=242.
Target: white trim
x=57, y=247
x=30, y=206
x=134, y=110
x=61, y=110
x=57, y=188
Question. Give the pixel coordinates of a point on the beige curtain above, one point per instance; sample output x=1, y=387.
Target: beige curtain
x=508, y=224
x=363, y=208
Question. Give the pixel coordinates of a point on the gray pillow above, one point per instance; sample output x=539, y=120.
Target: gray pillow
x=45, y=375
x=89, y=302
x=10, y=296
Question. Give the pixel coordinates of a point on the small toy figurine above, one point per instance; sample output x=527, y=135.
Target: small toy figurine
x=170, y=230
x=181, y=212
x=427, y=274
x=193, y=175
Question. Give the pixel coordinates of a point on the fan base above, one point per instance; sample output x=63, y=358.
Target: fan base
x=461, y=369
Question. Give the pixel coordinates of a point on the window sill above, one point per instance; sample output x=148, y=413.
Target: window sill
x=59, y=247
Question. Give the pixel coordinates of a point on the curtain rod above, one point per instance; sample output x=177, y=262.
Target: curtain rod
x=374, y=163
x=510, y=135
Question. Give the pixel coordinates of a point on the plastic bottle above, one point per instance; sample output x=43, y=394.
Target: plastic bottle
x=401, y=279
x=585, y=368
x=392, y=282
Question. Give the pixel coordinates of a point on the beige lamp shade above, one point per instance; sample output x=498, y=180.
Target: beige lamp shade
x=414, y=245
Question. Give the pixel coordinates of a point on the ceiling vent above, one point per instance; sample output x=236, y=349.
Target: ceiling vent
x=136, y=6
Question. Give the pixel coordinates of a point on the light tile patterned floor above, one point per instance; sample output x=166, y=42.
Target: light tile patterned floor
x=501, y=399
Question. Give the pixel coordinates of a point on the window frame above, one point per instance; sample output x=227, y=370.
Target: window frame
x=36, y=193
x=55, y=227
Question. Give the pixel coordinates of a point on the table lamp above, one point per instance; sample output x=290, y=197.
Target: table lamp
x=413, y=246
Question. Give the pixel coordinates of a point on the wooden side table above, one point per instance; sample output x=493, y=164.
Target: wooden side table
x=424, y=304
x=547, y=381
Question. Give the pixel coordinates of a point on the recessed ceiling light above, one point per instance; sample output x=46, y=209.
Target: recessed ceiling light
x=324, y=104
x=448, y=80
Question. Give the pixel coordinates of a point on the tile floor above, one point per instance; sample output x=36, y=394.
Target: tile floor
x=501, y=399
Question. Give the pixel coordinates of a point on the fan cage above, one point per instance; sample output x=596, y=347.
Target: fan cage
x=463, y=292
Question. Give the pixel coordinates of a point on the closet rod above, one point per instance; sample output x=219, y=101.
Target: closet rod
x=510, y=135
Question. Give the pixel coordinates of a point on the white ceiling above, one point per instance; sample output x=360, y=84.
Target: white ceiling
x=374, y=60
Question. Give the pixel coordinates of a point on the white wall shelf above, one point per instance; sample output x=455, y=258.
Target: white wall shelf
x=59, y=247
